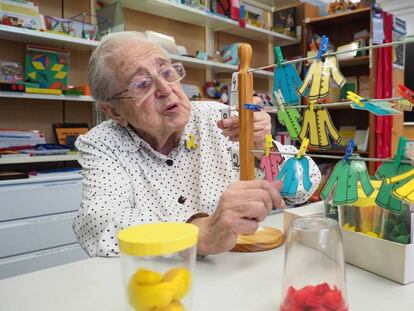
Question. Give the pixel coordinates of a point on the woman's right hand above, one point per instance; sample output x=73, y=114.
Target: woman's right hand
x=243, y=205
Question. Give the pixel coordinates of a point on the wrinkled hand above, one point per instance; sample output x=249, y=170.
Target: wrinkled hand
x=243, y=205
x=261, y=123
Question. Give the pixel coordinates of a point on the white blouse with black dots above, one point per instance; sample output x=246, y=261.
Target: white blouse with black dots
x=126, y=182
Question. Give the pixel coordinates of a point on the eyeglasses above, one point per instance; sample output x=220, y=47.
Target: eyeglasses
x=147, y=85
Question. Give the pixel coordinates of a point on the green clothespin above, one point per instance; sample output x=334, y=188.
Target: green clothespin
x=278, y=56
x=401, y=150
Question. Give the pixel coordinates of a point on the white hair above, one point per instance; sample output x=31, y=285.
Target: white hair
x=103, y=64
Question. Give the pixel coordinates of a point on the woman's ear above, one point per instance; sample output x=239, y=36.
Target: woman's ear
x=111, y=112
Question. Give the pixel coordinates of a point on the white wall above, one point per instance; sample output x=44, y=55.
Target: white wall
x=403, y=9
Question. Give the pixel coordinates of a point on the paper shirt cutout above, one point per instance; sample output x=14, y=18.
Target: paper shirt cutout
x=343, y=182
x=318, y=126
x=287, y=80
x=385, y=199
x=382, y=108
x=406, y=191
x=293, y=175
x=290, y=118
x=318, y=79
x=270, y=165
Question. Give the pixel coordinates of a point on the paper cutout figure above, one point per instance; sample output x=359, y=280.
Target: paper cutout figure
x=317, y=125
x=287, y=80
x=406, y=191
x=313, y=176
x=317, y=82
x=384, y=197
x=343, y=182
x=291, y=173
x=290, y=118
x=190, y=143
x=270, y=165
x=382, y=108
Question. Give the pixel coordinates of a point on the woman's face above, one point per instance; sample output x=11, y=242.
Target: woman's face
x=160, y=113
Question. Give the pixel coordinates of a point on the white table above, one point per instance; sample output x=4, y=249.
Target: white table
x=225, y=282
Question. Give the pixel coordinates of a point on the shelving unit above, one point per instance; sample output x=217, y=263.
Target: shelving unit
x=203, y=18
x=39, y=159
x=46, y=38
x=46, y=96
x=340, y=29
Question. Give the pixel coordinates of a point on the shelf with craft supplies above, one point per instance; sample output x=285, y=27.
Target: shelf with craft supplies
x=24, y=95
x=341, y=18
x=192, y=62
x=21, y=159
x=46, y=38
x=215, y=22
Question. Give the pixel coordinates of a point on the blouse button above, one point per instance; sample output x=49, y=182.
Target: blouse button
x=169, y=162
x=182, y=200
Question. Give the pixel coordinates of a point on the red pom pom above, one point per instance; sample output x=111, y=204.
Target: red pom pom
x=333, y=300
x=321, y=289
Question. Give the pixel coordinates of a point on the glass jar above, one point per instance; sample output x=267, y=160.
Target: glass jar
x=364, y=215
x=158, y=265
x=314, y=275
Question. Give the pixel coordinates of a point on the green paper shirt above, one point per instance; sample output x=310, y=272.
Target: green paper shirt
x=344, y=182
x=385, y=198
x=290, y=119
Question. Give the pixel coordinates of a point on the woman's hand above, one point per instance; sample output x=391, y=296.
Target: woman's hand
x=261, y=123
x=243, y=205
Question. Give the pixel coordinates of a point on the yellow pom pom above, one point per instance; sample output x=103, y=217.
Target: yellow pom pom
x=372, y=234
x=173, y=306
x=181, y=279
x=143, y=297
x=144, y=276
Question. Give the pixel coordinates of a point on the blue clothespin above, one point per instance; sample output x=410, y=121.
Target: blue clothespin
x=253, y=107
x=349, y=150
x=278, y=56
x=323, y=46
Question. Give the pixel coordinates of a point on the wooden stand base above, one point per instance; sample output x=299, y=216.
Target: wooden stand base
x=264, y=239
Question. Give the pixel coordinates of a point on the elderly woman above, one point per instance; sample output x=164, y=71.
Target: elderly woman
x=138, y=167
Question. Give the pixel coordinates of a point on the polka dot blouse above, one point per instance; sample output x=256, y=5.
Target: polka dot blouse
x=126, y=182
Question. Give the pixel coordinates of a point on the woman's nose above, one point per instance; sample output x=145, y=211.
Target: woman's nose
x=163, y=88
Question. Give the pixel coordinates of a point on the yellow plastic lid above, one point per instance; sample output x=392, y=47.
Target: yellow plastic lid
x=157, y=238
x=363, y=200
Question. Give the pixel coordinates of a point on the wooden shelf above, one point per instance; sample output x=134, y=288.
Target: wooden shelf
x=38, y=159
x=39, y=37
x=341, y=18
x=45, y=96
x=205, y=18
x=215, y=66
x=354, y=62
x=34, y=36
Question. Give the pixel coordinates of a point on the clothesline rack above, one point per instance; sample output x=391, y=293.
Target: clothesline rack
x=326, y=105
x=364, y=48
x=354, y=156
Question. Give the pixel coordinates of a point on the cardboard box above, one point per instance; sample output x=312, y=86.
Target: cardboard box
x=388, y=259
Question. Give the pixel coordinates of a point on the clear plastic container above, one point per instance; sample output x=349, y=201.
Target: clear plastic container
x=314, y=275
x=158, y=263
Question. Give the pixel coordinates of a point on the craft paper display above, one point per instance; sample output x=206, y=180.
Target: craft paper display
x=385, y=199
x=270, y=165
x=318, y=79
x=343, y=182
x=406, y=191
x=48, y=67
x=287, y=80
x=300, y=177
x=318, y=126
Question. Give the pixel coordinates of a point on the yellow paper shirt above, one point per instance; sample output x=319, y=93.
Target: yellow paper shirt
x=157, y=238
x=363, y=200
